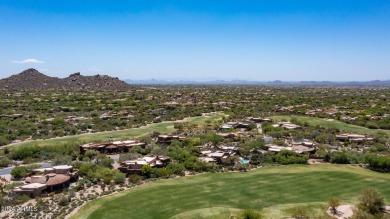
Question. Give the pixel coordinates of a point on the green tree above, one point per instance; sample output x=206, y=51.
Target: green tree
x=22, y=171
x=106, y=174
x=213, y=138
x=176, y=168
x=107, y=162
x=119, y=178
x=59, y=121
x=161, y=172
x=91, y=153
x=85, y=167
x=146, y=170
x=339, y=157
x=19, y=172
x=23, y=152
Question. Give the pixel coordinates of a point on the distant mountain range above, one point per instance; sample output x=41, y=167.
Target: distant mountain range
x=246, y=82
x=31, y=79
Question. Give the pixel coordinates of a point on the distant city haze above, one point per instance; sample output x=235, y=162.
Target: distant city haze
x=301, y=40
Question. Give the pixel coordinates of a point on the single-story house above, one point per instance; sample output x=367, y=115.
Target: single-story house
x=134, y=166
x=47, y=179
x=32, y=189
x=353, y=138
x=112, y=147
x=167, y=139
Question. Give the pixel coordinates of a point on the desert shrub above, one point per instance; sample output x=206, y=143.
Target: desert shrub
x=91, y=153
x=5, y=162
x=299, y=212
x=333, y=203
x=76, y=164
x=106, y=162
x=86, y=167
x=128, y=156
x=135, y=178
x=241, y=167
x=21, y=199
x=290, y=157
x=20, y=153
x=62, y=160
x=106, y=174
x=146, y=170
x=359, y=214
x=371, y=201
x=140, y=150
x=119, y=178
x=377, y=162
x=176, y=168
x=13, y=185
x=250, y=214
x=23, y=171
x=63, y=200
x=161, y=172
x=339, y=157
x=255, y=144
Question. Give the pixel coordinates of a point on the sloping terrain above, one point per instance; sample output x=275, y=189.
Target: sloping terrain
x=30, y=79
x=163, y=128
x=33, y=80
x=273, y=190
x=344, y=127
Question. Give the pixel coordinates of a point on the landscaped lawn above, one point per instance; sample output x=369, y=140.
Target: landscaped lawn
x=344, y=127
x=163, y=128
x=217, y=195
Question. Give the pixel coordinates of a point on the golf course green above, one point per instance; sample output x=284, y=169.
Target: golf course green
x=330, y=123
x=163, y=128
x=270, y=190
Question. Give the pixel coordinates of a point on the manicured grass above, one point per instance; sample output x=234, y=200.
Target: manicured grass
x=218, y=195
x=164, y=128
x=344, y=127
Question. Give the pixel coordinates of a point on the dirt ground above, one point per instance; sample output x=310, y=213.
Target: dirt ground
x=316, y=161
x=343, y=211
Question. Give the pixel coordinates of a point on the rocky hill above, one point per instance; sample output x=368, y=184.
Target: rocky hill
x=31, y=79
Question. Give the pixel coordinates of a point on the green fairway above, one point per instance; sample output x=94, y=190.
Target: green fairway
x=272, y=190
x=163, y=128
x=344, y=127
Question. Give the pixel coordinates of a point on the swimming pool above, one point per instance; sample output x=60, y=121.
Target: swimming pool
x=244, y=160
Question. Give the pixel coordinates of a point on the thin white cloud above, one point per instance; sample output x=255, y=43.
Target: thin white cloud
x=29, y=61
x=94, y=69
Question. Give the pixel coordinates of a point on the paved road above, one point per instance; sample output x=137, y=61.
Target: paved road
x=8, y=170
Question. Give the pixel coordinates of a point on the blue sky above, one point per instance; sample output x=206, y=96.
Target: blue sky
x=333, y=40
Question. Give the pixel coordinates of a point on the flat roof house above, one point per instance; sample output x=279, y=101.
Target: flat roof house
x=112, y=147
x=353, y=138
x=47, y=179
x=167, y=139
x=134, y=166
x=32, y=189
